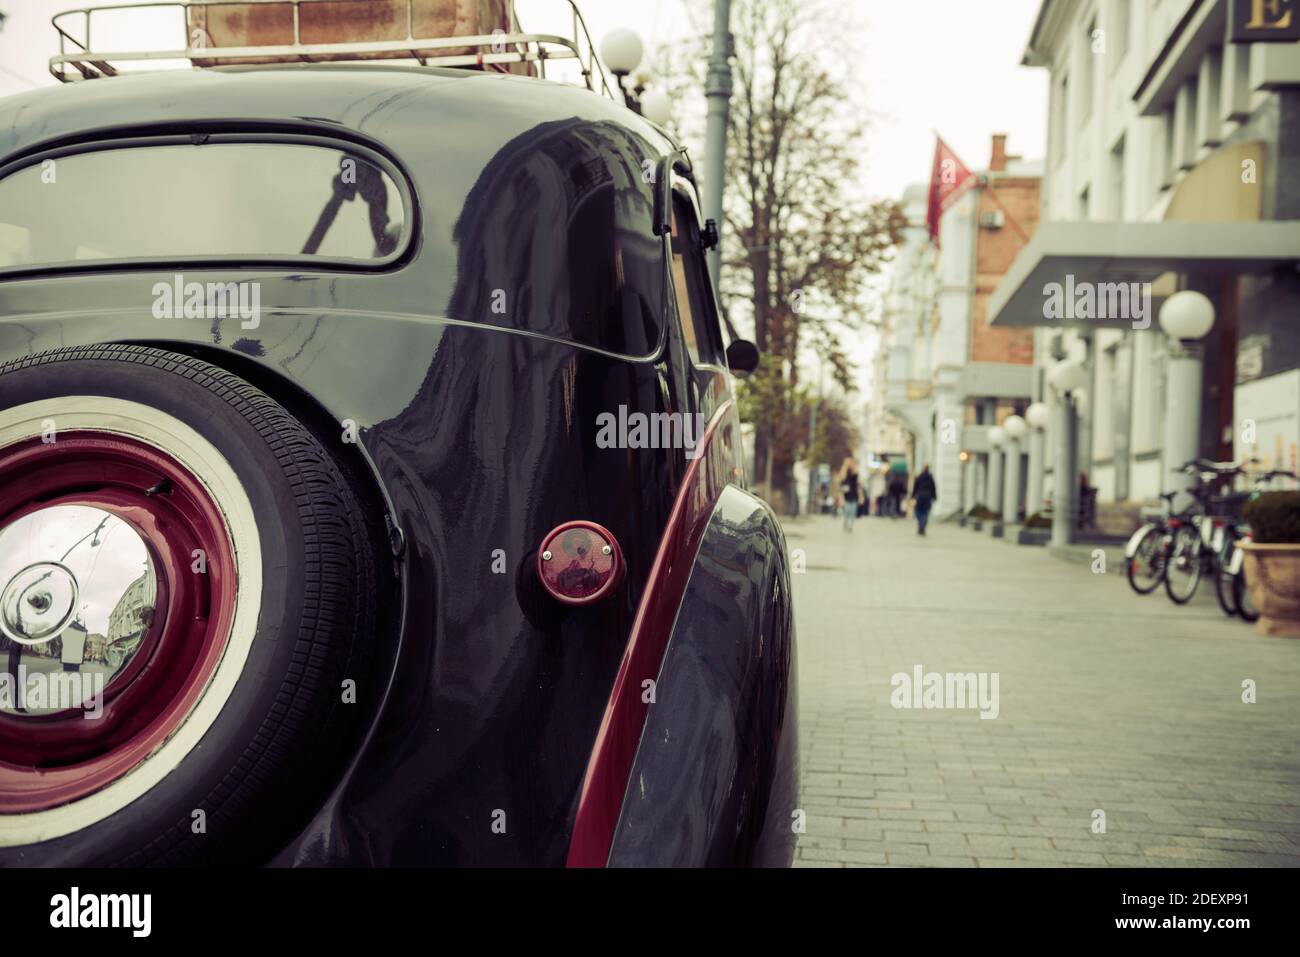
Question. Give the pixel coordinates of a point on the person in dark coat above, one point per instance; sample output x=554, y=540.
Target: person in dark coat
x=897, y=492
x=924, y=495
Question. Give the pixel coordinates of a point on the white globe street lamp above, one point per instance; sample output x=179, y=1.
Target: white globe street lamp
x=1038, y=415
x=1067, y=375
x=621, y=50
x=997, y=435
x=1187, y=315
x=1015, y=427
x=657, y=107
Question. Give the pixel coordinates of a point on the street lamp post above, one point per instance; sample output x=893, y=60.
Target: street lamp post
x=621, y=50
x=717, y=90
x=966, y=471
x=1015, y=428
x=1065, y=377
x=997, y=436
x=1037, y=416
x=1186, y=317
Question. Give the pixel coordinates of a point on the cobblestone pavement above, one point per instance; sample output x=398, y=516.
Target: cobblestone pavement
x=1108, y=702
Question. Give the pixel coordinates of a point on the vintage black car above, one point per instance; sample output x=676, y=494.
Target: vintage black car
x=371, y=479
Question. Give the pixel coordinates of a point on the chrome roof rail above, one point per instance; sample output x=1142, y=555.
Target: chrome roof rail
x=79, y=60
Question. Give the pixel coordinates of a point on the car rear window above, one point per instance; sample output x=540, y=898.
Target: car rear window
x=245, y=201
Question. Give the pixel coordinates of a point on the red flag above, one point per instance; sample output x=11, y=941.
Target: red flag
x=948, y=181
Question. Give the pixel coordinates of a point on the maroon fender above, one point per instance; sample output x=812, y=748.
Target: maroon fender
x=676, y=586
x=715, y=780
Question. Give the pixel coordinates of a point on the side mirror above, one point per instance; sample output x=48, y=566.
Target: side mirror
x=742, y=357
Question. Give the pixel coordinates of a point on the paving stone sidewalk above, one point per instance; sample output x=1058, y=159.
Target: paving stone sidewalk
x=1108, y=701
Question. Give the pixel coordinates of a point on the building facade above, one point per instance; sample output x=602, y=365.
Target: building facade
x=1171, y=165
x=948, y=374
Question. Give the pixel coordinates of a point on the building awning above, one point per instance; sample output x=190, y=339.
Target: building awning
x=1069, y=254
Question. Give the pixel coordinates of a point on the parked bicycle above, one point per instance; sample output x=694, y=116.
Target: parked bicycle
x=1230, y=584
x=1198, y=546
x=1151, y=548
x=1147, y=548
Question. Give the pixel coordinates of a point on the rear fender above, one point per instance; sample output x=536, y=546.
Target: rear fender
x=715, y=775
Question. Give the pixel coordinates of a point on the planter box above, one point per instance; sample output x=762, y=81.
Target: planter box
x=977, y=524
x=961, y=521
x=996, y=528
x=1098, y=538
x=1273, y=577
x=1033, y=536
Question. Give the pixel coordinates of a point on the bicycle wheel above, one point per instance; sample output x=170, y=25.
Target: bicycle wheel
x=1241, y=594
x=1183, y=569
x=1224, y=579
x=1146, y=562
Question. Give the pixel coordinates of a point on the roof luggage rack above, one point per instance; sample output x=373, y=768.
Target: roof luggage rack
x=474, y=34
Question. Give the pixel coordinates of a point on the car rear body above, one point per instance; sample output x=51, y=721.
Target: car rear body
x=463, y=377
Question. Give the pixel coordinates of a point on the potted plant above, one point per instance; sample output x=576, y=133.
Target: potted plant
x=978, y=514
x=1036, y=530
x=1273, y=561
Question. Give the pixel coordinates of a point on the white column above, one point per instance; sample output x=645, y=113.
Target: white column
x=1011, y=497
x=1182, y=416
x=1034, y=493
x=1063, y=474
x=1186, y=316
x=995, y=479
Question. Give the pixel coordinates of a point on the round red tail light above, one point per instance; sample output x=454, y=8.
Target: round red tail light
x=579, y=563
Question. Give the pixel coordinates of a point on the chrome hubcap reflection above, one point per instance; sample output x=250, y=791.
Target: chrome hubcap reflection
x=78, y=590
x=38, y=603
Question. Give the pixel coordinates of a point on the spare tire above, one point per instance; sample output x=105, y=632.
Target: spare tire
x=185, y=553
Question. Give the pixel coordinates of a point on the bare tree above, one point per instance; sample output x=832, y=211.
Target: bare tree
x=802, y=242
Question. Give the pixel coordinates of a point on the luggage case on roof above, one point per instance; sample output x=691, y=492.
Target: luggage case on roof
x=347, y=21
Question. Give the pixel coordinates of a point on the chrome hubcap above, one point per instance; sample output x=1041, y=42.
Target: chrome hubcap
x=78, y=589
x=38, y=603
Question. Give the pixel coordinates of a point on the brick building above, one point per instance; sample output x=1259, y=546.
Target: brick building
x=1011, y=199
x=949, y=375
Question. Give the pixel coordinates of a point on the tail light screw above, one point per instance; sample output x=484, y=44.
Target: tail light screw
x=546, y=556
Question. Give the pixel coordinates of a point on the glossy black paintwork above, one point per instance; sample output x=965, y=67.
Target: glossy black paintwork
x=715, y=778
x=477, y=429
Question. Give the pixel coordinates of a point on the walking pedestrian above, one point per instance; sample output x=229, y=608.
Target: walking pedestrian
x=897, y=492
x=876, y=490
x=924, y=494
x=849, y=490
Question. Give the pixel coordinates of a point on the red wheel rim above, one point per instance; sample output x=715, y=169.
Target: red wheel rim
x=54, y=759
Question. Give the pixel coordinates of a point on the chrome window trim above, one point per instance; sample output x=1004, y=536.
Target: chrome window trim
x=345, y=147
